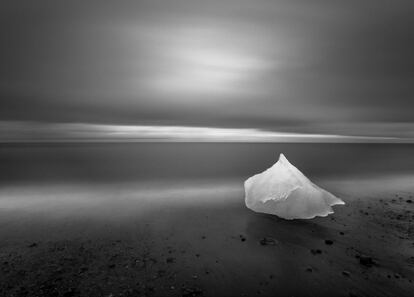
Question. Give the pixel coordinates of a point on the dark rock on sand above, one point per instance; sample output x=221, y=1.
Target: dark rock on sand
x=328, y=241
x=191, y=292
x=268, y=241
x=316, y=251
x=366, y=260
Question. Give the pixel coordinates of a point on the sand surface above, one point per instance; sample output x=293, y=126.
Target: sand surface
x=198, y=239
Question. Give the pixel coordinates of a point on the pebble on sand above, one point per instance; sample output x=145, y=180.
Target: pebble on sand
x=366, y=260
x=268, y=241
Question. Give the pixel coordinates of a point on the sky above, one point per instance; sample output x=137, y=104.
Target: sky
x=292, y=66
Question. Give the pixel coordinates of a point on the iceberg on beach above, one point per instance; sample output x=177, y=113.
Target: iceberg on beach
x=284, y=191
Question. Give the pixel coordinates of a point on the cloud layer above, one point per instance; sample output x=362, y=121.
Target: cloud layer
x=299, y=66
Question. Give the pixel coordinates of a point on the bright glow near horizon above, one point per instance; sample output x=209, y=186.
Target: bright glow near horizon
x=35, y=131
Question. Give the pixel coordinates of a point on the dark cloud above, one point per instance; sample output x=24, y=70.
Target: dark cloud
x=281, y=65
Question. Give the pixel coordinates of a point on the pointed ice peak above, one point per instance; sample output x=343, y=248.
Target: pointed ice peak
x=284, y=191
x=283, y=159
x=284, y=162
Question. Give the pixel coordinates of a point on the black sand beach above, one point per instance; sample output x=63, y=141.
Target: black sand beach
x=195, y=237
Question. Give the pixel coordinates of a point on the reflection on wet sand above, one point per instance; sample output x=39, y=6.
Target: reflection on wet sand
x=183, y=237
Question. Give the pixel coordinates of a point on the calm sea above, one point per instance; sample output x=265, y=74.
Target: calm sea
x=106, y=162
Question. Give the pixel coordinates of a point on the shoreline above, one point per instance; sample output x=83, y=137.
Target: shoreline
x=202, y=241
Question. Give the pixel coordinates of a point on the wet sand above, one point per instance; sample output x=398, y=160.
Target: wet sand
x=198, y=239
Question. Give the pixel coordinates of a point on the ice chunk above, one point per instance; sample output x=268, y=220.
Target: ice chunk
x=284, y=191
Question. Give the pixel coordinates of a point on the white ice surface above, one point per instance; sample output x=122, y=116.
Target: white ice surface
x=284, y=191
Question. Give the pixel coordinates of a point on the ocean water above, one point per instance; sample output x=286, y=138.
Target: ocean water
x=129, y=162
x=68, y=190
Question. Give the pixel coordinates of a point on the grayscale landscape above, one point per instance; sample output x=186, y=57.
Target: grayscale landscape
x=128, y=130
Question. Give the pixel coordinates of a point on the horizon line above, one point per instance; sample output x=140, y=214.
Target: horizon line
x=41, y=132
